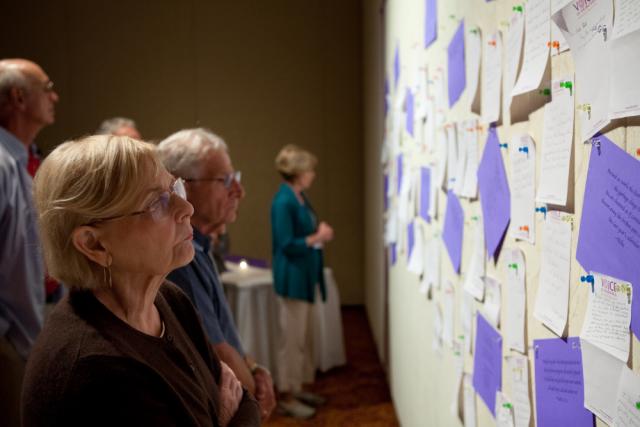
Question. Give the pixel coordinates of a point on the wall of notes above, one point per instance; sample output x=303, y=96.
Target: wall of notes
x=510, y=163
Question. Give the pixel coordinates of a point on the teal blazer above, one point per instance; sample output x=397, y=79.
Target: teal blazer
x=297, y=268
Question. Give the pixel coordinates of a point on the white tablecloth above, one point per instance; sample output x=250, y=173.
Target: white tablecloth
x=255, y=311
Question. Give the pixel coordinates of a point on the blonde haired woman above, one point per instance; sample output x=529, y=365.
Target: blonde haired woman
x=298, y=278
x=124, y=347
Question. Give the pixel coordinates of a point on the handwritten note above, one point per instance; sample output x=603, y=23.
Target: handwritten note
x=519, y=377
x=469, y=402
x=516, y=300
x=431, y=22
x=504, y=411
x=536, y=51
x=491, y=78
x=473, y=50
x=601, y=373
x=431, y=276
x=409, y=107
x=559, y=384
x=466, y=315
x=425, y=193
x=495, y=196
x=625, y=64
x=513, y=49
x=492, y=297
x=448, y=302
x=608, y=315
x=470, y=186
x=627, y=19
x=552, y=299
x=487, y=363
x=522, y=153
x=627, y=399
x=474, y=280
x=436, y=343
x=609, y=239
x=557, y=138
x=461, y=164
x=456, y=68
x=453, y=230
x=416, y=254
x=452, y=155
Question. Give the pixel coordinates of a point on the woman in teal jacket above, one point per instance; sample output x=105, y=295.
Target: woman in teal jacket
x=298, y=278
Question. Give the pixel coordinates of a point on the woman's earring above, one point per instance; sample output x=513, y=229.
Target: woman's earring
x=107, y=272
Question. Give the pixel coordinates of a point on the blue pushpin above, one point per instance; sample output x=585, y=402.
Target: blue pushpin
x=503, y=145
x=524, y=150
x=543, y=210
x=589, y=279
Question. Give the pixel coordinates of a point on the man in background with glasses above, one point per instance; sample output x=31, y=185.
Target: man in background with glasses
x=27, y=104
x=201, y=159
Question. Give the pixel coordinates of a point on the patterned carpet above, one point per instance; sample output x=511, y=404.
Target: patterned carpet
x=357, y=394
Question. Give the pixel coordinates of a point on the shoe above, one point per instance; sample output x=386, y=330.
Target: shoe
x=309, y=398
x=295, y=408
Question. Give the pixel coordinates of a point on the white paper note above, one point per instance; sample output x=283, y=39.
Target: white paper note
x=516, y=300
x=469, y=402
x=473, y=55
x=452, y=155
x=431, y=275
x=536, y=52
x=391, y=226
x=474, y=280
x=557, y=138
x=557, y=36
x=625, y=62
x=601, y=372
x=491, y=308
x=416, y=259
x=519, y=377
x=461, y=163
x=504, y=411
x=467, y=320
x=552, y=299
x=608, y=316
x=491, y=78
x=627, y=398
x=458, y=366
x=513, y=48
x=436, y=343
x=587, y=28
x=522, y=153
x=470, y=187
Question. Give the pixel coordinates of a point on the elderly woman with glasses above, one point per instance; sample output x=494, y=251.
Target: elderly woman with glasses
x=124, y=347
x=297, y=238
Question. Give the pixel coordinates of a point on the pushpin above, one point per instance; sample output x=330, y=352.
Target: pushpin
x=567, y=85
x=543, y=210
x=507, y=405
x=474, y=30
x=638, y=152
x=480, y=128
x=586, y=108
x=545, y=91
x=518, y=9
x=524, y=150
x=638, y=406
x=475, y=218
x=524, y=228
x=554, y=43
x=588, y=279
x=503, y=145
x=492, y=43
x=595, y=142
x=452, y=16
x=514, y=266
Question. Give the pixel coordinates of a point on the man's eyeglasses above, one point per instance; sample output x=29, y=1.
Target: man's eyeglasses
x=159, y=208
x=227, y=180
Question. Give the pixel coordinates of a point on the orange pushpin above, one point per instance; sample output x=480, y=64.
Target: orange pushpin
x=638, y=152
x=492, y=43
x=524, y=228
x=479, y=128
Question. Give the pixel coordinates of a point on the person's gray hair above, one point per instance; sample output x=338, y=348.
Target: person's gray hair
x=183, y=152
x=110, y=126
x=11, y=76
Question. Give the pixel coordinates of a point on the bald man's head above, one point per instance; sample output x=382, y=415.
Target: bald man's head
x=26, y=94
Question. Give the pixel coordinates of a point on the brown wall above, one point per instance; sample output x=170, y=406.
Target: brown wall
x=259, y=73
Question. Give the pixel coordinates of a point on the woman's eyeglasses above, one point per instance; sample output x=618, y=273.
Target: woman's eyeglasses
x=159, y=207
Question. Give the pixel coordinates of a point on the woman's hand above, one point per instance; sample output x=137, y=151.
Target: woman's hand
x=230, y=394
x=324, y=233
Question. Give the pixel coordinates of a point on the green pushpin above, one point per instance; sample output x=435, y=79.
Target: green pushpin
x=514, y=266
x=507, y=405
x=567, y=85
x=475, y=218
x=546, y=91
x=518, y=9
x=461, y=337
x=638, y=406
x=452, y=16
x=457, y=353
x=474, y=31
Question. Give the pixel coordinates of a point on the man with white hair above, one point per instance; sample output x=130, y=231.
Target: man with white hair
x=27, y=104
x=119, y=126
x=213, y=188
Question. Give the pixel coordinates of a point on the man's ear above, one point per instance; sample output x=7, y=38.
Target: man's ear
x=86, y=240
x=18, y=97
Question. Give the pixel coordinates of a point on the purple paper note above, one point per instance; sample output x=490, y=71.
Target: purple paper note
x=396, y=67
x=385, y=187
x=559, y=386
x=495, y=197
x=457, y=72
x=410, y=239
x=386, y=94
x=393, y=254
x=487, y=362
x=430, y=22
x=453, y=228
x=399, y=170
x=425, y=193
x=409, y=111
x=609, y=239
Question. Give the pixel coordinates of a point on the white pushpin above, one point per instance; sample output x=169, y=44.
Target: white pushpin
x=243, y=265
